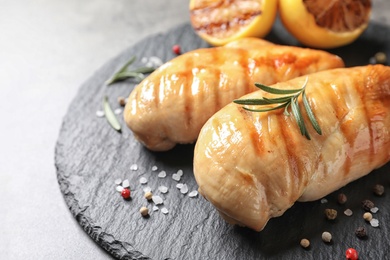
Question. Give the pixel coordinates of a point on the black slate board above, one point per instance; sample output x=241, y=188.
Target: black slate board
x=90, y=155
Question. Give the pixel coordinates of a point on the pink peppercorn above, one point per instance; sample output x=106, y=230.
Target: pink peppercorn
x=125, y=193
x=351, y=254
x=176, y=49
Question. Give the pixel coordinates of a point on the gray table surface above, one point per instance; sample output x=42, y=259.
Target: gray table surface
x=47, y=50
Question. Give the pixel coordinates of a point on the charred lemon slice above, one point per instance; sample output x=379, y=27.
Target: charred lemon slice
x=325, y=23
x=221, y=21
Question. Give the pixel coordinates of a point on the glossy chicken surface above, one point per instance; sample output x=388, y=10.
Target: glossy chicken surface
x=253, y=166
x=171, y=105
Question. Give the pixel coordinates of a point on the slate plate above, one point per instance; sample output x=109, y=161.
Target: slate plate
x=90, y=155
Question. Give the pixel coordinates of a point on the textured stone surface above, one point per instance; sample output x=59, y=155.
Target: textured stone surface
x=90, y=156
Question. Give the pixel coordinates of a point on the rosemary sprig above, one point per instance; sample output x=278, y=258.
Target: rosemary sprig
x=290, y=99
x=123, y=73
x=110, y=116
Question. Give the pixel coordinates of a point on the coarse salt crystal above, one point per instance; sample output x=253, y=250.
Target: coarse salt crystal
x=147, y=189
x=164, y=211
x=99, y=113
x=193, y=194
x=163, y=189
x=374, y=222
x=118, y=181
x=348, y=212
x=154, y=168
x=134, y=167
x=374, y=209
x=162, y=174
x=117, y=111
x=157, y=200
x=176, y=177
x=156, y=61
x=324, y=201
x=184, y=189
x=119, y=188
x=143, y=180
x=179, y=185
x=180, y=172
x=126, y=183
x=155, y=208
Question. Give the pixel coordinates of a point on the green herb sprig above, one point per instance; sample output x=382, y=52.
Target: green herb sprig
x=290, y=99
x=110, y=116
x=123, y=73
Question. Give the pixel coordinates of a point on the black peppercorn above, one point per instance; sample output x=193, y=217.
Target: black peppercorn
x=361, y=232
x=342, y=198
x=378, y=190
x=367, y=205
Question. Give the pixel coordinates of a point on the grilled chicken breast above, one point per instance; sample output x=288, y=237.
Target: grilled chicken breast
x=253, y=166
x=171, y=105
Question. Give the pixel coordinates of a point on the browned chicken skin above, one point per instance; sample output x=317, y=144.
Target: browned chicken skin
x=172, y=104
x=253, y=166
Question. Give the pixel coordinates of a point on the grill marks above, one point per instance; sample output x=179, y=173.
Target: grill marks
x=243, y=12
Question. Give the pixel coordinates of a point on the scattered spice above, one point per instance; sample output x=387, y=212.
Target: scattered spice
x=99, y=113
x=374, y=210
x=193, y=194
x=341, y=198
x=148, y=195
x=374, y=222
x=163, y=189
x=162, y=174
x=117, y=111
x=126, y=183
x=326, y=237
x=176, y=49
x=118, y=181
x=305, y=243
x=361, y=232
x=378, y=190
x=157, y=200
x=143, y=180
x=367, y=216
x=144, y=211
x=351, y=254
x=367, y=205
x=331, y=214
x=184, y=189
x=164, y=211
x=380, y=58
x=121, y=101
x=119, y=188
x=125, y=193
x=348, y=212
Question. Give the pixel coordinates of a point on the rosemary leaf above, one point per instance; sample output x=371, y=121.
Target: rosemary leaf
x=122, y=69
x=110, y=116
x=145, y=70
x=285, y=102
x=251, y=102
x=310, y=114
x=265, y=109
x=276, y=90
x=298, y=117
x=123, y=73
x=278, y=100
